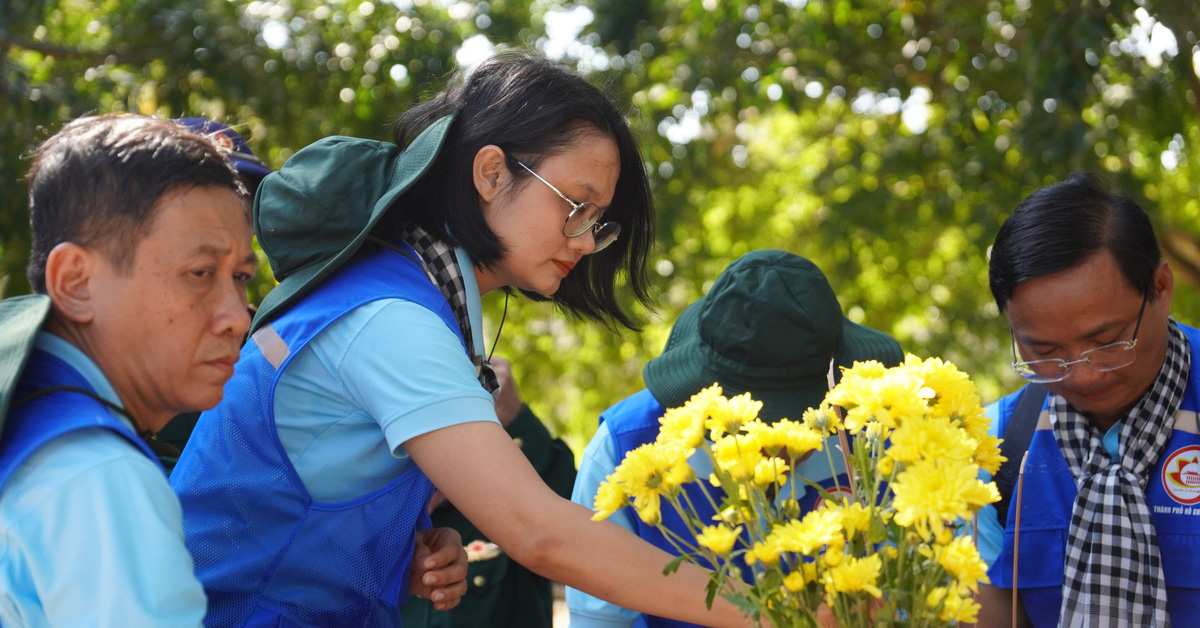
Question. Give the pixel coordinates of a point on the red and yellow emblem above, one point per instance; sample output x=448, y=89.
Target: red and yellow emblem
x=1181, y=475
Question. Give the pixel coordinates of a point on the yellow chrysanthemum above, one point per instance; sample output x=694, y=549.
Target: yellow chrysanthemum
x=945, y=381
x=609, y=499
x=875, y=432
x=660, y=467
x=818, y=528
x=728, y=416
x=856, y=518
x=797, y=439
x=822, y=419
x=933, y=438
x=718, y=538
x=885, y=466
x=771, y=471
x=684, y=426
x=703, y=399
x=854, y=575
x=987, y=453
x=929, y=493
x=869, y=369
x=794, y=581
x=810, y=571
x=975, y=421
x=956, y=604
x=889, y=398
x=738, y=456
x=646, y=503
x=835, y=552
x=647, y=472
x=960, y=405
x=962, y=561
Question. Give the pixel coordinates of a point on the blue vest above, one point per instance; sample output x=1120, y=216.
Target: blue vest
x=1048, y=495
x=42, y=419
x=634, y=422
x=266, y=552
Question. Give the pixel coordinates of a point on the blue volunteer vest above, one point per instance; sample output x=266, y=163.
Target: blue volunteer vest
x=43, y=419
x=1048, y=495
x=634, y=422
x=266, y=552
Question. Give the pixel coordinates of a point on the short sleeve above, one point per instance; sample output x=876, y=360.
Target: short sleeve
x=385, y=372
x=92, y=535
x=991, y=530
x=409, y=371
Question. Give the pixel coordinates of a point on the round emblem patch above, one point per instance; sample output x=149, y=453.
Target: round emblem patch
x=222, y=141
x=1181, y=475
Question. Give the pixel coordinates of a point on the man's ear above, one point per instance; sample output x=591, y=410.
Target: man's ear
x=1164, y=285
x=489, y=171
x=69, y=270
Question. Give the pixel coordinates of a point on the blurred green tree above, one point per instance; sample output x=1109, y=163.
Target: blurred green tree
x=884, y=139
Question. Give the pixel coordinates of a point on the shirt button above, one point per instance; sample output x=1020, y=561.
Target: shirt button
x=519, y=442
x=480, y=581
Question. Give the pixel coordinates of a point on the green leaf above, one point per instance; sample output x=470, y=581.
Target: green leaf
x=673, y=565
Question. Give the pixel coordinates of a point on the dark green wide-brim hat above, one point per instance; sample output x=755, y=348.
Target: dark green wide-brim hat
x=769, y=326
x=20, y=320
x=314, y=214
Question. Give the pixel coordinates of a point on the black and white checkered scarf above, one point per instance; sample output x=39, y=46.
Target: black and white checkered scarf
x=1113, y=574
x=441, y=265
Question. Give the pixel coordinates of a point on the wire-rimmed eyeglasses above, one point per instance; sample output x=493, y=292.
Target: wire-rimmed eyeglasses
x=1109, y=357
x=583, y=216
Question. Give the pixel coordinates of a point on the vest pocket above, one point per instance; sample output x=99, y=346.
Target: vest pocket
x=1041, y=559
x=1180, y=560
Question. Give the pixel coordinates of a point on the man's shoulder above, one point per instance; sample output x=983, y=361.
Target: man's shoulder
x=93, y=461
x=1000, y=411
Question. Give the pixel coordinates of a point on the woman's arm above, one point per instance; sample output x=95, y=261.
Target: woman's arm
x=480, y=470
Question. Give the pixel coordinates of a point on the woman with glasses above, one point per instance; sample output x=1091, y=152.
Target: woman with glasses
x=365, y=386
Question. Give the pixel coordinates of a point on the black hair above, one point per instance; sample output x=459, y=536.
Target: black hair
x=97, y=182
x=1059, y=227
x=532, y=108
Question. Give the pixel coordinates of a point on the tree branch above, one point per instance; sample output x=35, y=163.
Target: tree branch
x=1182, y=250
x=53, y=50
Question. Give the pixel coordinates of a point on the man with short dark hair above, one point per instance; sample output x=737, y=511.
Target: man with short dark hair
x=141, y=254
x=1104, y=531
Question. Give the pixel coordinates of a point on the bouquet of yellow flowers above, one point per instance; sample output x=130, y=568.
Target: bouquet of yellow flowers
x=883, y=549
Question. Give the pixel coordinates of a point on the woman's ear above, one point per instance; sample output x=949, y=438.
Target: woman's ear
x=489, y=171
x=69, y=269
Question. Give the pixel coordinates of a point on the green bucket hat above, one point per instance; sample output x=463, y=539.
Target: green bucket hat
x=314, y=213
x=20, y=320
x=768, y=326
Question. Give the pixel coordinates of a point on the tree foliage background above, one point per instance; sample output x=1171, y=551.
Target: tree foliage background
x=884, y=139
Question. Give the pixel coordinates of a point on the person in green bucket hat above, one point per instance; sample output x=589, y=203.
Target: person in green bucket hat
x=141, y=252
x=770, y=326
x=364, y=385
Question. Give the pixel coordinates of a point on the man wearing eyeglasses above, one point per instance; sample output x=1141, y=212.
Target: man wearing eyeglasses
x=1104, y=527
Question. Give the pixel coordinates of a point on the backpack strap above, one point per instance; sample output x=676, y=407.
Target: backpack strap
x=1017, y=435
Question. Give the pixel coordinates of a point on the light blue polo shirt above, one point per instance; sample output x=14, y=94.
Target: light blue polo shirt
x=386, y=372
x=91, y=533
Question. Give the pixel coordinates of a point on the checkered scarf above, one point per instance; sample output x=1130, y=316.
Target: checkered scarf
x=1113, y=574
x=442, y=267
